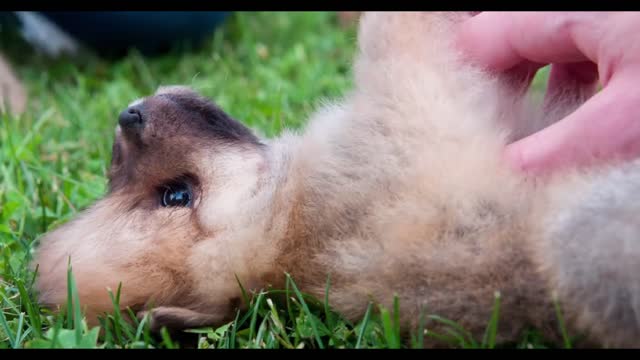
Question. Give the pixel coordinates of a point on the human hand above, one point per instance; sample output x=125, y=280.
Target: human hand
x=582, y=48
x=12, y=91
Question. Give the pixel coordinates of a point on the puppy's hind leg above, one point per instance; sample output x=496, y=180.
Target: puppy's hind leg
x=589, y=248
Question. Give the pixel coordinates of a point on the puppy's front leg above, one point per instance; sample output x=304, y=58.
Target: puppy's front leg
x=177, y=318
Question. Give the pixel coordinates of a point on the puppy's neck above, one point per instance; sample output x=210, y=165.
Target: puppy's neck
x=280, y=186
x=284, y=218
x=285, y=207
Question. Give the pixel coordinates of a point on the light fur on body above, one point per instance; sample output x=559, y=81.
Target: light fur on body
x=399, y=188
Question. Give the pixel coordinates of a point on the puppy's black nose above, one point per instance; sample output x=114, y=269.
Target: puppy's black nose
x=131, y=118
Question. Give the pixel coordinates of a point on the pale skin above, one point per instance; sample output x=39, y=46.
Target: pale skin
x=584, y=49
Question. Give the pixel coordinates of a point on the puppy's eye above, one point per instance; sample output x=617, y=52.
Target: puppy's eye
x=176, y=195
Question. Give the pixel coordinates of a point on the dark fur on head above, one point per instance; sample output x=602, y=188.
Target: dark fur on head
x=172, y=123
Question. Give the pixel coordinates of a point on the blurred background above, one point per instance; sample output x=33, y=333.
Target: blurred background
x=107, y=38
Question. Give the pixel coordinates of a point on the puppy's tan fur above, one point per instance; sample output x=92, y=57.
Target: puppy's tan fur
x=399, y=188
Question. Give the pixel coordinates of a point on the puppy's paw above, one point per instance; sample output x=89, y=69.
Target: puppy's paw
x=12, y=89
x=348, y=18
x=177, y=319
x=418, y=35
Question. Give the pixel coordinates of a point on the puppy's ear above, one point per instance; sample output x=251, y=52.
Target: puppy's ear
x=177, y=319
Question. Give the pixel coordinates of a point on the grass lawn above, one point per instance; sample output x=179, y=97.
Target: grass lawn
x=268, y=69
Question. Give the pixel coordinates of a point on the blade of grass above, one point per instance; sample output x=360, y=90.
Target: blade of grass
x=223, y=335
x=34, y=316
x=234, y=330
x=283, y=341
x=290, y=312
x=7, y=330
x=108, y=337
x=120, y=324
x=141, y=325
x=19, y=332
x=69, y=295
x=453, y=337
x=76, y=310
x=365, y=323
x=419, y=338
x=307, y=311
x=254, y=316
x=34, y=275
x=56, y=331
x=388, y=328
x=166, y=339
x=489, y=339
x=271, y=341
x=261, y=330
x=22, y=339
x=396, y=318
x=456, y=330
x=327, y=313
x=565, y=336
x=43, y=208
x=278, y=325
x=245, y=297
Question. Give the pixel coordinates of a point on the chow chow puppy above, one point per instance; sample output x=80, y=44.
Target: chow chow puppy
x=396, y=189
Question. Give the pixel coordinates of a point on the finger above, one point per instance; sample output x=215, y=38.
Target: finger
x=501, y=41
x=570, y=85
x=606, y=127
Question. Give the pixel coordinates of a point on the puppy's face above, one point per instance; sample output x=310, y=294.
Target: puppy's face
x=182, y=173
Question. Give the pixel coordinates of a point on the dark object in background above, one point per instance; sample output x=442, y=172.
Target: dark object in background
x=151, y=32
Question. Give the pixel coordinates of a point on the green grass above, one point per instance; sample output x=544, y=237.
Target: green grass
x=268, y=70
